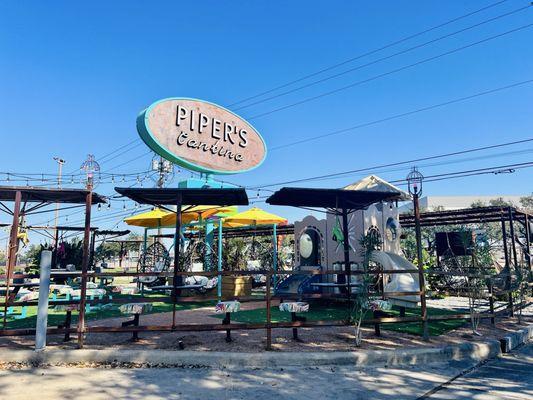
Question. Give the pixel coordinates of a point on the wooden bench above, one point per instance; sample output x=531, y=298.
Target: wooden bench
x=135, y=309
x=68, y=308
x=295, y=307
x=227, y=307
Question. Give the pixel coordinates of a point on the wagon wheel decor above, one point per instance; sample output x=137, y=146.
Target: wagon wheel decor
x=155, y=259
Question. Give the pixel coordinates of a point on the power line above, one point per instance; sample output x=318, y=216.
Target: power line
x=509, y=168
x=412, y=161
x=129, y=161
x=369, y=53
x=383, y=58
x=401, y=115
x=391, y=72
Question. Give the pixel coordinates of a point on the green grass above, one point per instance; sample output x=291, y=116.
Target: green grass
x=58, y=317
x=333, y=312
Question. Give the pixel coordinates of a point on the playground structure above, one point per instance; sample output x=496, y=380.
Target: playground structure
x=319, y=245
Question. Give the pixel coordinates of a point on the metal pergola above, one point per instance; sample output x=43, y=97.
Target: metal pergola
x=26, y=201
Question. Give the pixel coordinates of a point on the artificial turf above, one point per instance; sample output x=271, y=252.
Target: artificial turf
x=56, y=318
x=335, y=312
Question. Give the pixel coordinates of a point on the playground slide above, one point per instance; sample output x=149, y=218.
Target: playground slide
x=298, y=284
x=403, y=282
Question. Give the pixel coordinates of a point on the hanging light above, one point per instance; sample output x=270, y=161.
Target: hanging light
x=7, y=179
x=109, y=205
x=124, y=205
x=99, y=206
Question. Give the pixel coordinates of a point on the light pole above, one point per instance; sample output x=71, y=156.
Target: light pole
x=60, y=163
x=90, y=166
x=414, y=182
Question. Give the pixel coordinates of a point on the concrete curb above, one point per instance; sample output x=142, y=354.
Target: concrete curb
x=365, y=358
x=515, y=339
x=370, y=358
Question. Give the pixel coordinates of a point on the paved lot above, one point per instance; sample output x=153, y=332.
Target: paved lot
x=508, y=378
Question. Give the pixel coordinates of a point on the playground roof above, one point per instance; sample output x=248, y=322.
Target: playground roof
x=187, y=196
x=46, y=195
x=329, y=198
x=373, y=183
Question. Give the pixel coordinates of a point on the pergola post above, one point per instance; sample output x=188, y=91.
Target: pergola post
x=508, y=266
x=528, y=252
x=177, y=252
x=219, y=264
x=13, y=248
x=346, y=248
x=85, y=265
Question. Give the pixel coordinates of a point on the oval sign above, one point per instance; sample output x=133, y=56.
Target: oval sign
x=201, y=136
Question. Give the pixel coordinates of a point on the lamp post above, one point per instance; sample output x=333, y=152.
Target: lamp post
x=90, y=166
x=60, y=163
x=414, y=184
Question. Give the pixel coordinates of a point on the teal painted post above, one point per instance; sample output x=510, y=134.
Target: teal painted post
x=209, y=239
x=219, y=284
x=145, y=246
x=275, y=258
x=145, y=239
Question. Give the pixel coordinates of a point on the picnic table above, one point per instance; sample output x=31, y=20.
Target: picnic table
x=163, y=288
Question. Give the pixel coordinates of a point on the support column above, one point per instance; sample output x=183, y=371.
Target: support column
x=508, y=267
x=346, y=249
x=528, y=251
x=84, y=266
x=421, y=278
x=12, y=250
x=219, y=264
x=176, y=281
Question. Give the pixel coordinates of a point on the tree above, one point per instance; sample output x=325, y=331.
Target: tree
x=500, y=202
x=527, y=202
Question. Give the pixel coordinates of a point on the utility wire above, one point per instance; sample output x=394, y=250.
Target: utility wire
x=412, y=161
x=383, y=58
x=401, y=115
x=391, y=72
x=368, y=53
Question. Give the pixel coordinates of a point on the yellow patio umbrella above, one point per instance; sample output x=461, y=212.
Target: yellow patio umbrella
x=254, y=216
x=148, y=219
x=196, y=213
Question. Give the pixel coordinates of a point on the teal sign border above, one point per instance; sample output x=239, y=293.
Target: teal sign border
x=149, y=139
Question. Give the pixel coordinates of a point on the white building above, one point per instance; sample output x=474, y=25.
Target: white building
x=432, y=203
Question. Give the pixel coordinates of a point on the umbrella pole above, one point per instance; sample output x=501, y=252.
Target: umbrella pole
x=219, y=284
x=177, y=250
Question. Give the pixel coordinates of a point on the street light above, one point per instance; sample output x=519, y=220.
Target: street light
x=60, y=163
x=414, y=185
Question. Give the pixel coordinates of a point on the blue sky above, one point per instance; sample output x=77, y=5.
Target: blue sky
x=74, y=76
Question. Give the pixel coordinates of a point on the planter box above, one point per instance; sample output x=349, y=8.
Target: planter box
x=236, y=286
